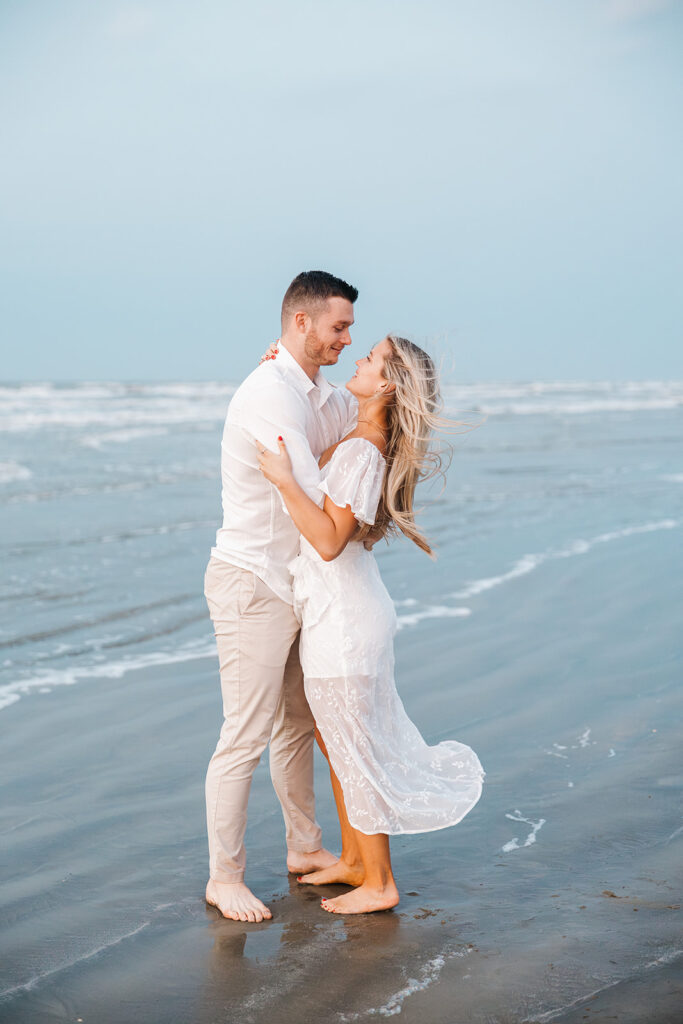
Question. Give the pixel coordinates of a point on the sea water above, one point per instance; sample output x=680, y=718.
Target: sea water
x=110, y=498
x=546, y=634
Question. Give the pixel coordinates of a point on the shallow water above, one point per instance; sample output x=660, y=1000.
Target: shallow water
x=547, y=636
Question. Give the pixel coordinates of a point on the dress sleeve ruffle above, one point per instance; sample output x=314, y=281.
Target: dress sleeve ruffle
x=354, y=477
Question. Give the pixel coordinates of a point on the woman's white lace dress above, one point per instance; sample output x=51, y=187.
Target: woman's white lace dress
x=392, y=780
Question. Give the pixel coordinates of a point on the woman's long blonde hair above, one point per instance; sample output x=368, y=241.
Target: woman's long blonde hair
x=412, y=417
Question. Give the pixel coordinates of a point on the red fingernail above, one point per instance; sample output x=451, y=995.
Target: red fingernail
x=280, y=438
x=299, y=877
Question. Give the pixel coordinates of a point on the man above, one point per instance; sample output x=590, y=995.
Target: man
x=248, y=588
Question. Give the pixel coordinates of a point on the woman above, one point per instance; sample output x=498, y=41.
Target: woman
x=386, y=780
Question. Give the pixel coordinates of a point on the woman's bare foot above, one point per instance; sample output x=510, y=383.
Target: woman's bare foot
x=297, y=863
x=339, y=872
x=236, y=901
x=364, y=900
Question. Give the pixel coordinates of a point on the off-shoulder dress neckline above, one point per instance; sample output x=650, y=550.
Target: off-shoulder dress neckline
x=347, y=440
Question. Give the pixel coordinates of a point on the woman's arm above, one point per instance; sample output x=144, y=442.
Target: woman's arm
x=328, y=529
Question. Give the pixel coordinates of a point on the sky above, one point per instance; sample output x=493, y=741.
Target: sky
x=501, y=179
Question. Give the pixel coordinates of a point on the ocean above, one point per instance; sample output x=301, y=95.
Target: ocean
x=547, y=635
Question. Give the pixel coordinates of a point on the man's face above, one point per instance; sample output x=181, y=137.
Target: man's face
x=328, y=333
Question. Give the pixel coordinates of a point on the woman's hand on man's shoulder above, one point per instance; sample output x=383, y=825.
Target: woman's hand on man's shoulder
x=271, y=352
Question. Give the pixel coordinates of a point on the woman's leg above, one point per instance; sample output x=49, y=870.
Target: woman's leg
x=365, y=862
x=378, y=891
x=349, y=868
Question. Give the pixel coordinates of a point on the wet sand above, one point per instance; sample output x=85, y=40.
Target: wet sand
x=556, y=899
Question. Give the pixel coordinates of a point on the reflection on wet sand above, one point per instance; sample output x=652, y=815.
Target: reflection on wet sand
x=303, y=949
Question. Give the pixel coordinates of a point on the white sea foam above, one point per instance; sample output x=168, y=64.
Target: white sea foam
x=13, y=471
x=583, y=742
x=545, y=1018
x=560, y=1011
x=574, y=398
x=437, y=611
x=118, y=405
x=27, y=986
x=47, y=679
x=674, y=835
x=557, y=752
x=122, y=436
x=527, y=563
x=429, y=973
x=665, y=958
x=12, y=692
x=536, y=826
x=111, y=405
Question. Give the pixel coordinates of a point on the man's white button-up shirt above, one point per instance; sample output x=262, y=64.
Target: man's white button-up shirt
x=278, y=397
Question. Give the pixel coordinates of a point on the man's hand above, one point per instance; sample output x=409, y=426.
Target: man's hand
x=271, y=353
x=371, y=540
x=276, y=468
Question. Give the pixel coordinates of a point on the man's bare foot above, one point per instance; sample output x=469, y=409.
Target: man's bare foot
x=236, y=901
x=339, y=872
x=297, y=863
x=364, y=900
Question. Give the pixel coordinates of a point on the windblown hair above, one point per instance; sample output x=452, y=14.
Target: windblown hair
x=310, y=289
x=413, y=416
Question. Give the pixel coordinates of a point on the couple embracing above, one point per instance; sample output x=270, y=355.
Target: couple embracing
x=312, y=476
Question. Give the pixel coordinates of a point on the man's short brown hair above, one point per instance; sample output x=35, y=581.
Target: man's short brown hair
x=311, y=289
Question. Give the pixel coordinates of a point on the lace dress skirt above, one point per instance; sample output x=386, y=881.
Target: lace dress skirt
x=392, y=781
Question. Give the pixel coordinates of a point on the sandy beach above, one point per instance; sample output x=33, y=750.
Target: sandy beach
x=557, y=899
x=104, y=844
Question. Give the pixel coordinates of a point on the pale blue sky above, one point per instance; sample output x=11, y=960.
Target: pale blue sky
x=503, y=175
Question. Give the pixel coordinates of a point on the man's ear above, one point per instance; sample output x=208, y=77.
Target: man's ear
x=302, y=321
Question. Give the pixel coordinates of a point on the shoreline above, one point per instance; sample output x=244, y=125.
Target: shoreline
x=103, y=822
x=546, y=637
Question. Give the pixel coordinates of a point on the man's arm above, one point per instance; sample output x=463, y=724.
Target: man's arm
x=329, y=529
x=274, y=410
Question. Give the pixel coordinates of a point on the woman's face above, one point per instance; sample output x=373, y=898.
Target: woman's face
x=369, y=375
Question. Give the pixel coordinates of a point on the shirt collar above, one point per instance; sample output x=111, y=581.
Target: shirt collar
x=319, y=383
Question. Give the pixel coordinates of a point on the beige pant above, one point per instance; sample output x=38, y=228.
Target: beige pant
x=257, y=635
